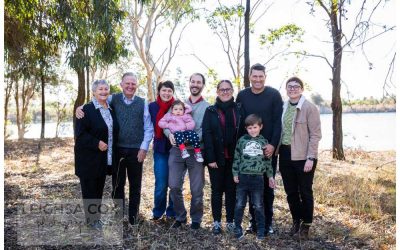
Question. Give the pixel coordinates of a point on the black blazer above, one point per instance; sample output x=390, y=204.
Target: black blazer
x=213, y=136
x=90, y=162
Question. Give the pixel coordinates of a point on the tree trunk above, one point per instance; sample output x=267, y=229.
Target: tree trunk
x=17, y=107
x=336, y=105
x=150, y=92
x=57, y=127
x=43, y=104
x=87, y=75
x=80, y=99
x=6, y=102
x=247, y=44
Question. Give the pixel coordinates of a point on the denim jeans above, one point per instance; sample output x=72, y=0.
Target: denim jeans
x=251, y=186
x=269, y=197
x=161, y=186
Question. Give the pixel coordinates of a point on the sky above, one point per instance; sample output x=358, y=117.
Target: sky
x=359, y=80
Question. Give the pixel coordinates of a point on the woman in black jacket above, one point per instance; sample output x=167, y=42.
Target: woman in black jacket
x=96, y=135
x=220, y=127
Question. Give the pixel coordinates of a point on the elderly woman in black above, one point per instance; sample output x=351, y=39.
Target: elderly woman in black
x=220, y=126
x=95, y=135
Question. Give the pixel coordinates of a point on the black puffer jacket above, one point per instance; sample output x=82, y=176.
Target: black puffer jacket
x=213, y=135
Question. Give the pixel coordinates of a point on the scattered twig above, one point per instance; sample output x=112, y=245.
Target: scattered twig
x=385, y=164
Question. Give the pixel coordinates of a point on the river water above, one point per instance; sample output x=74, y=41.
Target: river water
x=367, y=131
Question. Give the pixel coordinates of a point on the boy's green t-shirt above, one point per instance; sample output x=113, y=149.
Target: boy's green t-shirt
x=249, y=157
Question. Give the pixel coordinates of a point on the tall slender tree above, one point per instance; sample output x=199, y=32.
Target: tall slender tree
x=31, y=44
x=247, y=44
x=336, y=11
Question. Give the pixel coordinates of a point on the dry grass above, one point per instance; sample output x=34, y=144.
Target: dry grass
x=355, y=202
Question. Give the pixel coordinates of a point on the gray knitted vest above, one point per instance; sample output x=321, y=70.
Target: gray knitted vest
x=130, y=119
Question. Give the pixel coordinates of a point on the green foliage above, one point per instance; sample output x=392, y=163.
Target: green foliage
x=214, y=77
x=222, y=14
x=289, y=32
x=92, y=30
x=32, y=39
x=114, y=88
x=369, y=101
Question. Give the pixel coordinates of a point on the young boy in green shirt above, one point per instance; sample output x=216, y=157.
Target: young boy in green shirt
x=249, y=165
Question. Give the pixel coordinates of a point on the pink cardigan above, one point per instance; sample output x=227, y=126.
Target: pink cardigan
x=178, y=123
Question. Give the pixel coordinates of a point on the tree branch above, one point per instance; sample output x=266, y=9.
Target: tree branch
x=388, y=83
x=317, y=56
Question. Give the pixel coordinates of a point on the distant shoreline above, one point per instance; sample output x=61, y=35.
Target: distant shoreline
x=357, y=110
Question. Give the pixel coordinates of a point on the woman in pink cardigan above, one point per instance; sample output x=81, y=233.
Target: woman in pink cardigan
x=181, y=124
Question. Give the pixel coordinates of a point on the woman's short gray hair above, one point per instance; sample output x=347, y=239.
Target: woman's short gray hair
x=96, y=84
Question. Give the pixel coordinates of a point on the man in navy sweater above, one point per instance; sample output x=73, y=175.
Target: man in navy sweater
x=265, y=102
x=134, y=137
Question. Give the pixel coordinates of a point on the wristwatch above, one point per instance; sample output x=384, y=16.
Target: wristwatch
x=311, y=159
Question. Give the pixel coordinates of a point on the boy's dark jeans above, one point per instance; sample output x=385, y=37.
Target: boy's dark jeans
x=252, y=186
x=269, y=197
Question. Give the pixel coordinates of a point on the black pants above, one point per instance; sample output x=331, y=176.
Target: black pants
x=298, y=186
x=127, y=163
x=92, y=193
x=269, y=197
x=221, y=179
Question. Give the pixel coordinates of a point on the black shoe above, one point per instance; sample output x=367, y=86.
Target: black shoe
x=195, y=225
x=133, y=220
x=178, y=224
x=170, y=217
x=216, y=229
x=239, y=233
x=295, y=228
x=156, y=218
x=251, y=229
x=304, y=231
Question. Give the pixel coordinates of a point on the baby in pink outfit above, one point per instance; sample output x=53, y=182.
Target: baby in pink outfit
x=181, y=124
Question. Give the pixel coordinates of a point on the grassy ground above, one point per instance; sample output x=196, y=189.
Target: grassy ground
x=355, y=202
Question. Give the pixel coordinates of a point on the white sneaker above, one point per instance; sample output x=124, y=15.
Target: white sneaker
x=185, y=154
x=198, y=157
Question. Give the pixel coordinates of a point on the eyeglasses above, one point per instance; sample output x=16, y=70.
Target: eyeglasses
x=293, y=87
x=225, y=90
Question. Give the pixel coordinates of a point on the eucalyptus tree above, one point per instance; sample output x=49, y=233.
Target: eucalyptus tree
x=160, y=22
x=92, y=31
x=31, y=45
x=46, y=41
x=344, y=35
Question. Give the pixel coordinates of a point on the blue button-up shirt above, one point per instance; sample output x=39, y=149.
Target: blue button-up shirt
x=106, y=114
